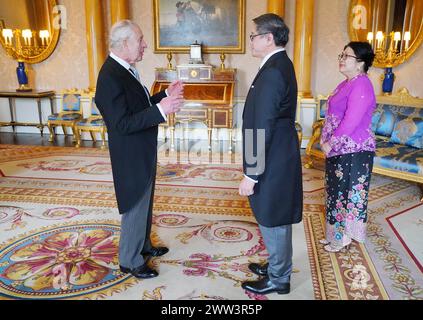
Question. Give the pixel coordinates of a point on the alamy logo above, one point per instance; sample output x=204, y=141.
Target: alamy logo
x=359, y=13
x=60, y=20
x=255, y=163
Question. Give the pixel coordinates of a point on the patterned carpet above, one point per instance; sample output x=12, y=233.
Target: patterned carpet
x=59, y=231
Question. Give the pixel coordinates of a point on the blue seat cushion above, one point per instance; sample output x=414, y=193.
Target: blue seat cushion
x=91, y=123
x=398, y=157
x=388, y=117
x=408, y=131
x=386, y=123
x=64, y=117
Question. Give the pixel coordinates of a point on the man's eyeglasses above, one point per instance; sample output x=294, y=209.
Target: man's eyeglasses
x=252, y=35
x=344, y=56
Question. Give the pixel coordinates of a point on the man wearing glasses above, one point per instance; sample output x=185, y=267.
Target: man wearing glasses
x=272, y=162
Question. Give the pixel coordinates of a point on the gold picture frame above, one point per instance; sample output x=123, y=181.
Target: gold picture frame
x=43, y=10
x=218, y=25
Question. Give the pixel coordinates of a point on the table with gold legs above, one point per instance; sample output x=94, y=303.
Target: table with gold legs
x=35, y=95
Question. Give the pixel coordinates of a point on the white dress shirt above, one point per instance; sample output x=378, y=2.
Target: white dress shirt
x=269, y=55
x=127, y=66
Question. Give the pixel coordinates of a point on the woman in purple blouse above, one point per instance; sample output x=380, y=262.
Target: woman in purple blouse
x=349, y=144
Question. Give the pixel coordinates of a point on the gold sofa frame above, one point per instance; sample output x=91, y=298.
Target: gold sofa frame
x=316, y=132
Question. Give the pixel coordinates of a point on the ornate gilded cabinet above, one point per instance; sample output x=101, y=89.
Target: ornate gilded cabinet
x=208, y=97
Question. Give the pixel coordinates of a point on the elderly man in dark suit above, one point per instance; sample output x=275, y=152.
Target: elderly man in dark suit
x=132, y=117
x=272, y=162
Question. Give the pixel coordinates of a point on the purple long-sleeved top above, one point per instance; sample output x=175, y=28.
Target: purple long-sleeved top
x=347, y=127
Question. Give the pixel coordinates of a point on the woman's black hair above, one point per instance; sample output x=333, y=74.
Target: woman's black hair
x=364, y=52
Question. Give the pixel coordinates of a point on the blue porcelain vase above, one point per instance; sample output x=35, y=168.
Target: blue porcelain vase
x=21, y=73
x=388, y=81
x=22, y=77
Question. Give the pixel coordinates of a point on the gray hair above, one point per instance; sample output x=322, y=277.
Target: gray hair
x=274, y=24
x=120, y=32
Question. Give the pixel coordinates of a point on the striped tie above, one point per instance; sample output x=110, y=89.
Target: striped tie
x=137, y=76
x=135, y=73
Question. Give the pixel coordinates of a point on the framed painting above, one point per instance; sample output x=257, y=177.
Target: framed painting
x=218, y=25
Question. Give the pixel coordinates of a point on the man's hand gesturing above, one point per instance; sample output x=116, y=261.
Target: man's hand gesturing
x=175, y=100
x=172, y=104
x=176, y=88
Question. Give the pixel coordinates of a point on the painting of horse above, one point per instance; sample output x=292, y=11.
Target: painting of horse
x=219, y=25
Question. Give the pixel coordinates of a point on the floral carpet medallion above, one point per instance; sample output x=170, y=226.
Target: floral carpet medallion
x=73, y=261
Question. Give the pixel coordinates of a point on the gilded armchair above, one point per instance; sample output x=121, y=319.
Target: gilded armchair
x=70, y=114
x=93, y=124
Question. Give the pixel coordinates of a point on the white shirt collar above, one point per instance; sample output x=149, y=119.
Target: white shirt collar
x=269, y=55
x=122, y=62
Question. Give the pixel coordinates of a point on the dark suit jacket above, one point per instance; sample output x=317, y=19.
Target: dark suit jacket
x=132, y=126
x=271, y=105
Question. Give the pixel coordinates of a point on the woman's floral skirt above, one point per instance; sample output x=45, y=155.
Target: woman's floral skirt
x=347, y=189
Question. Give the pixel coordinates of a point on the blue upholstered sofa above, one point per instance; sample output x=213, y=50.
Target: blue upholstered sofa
x=398, y=126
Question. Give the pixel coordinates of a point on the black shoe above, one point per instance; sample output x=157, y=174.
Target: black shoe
x=258, y=269
x=265, y=286
x=155, y=251
x=141, y=272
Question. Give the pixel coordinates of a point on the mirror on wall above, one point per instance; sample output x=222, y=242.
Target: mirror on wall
x=393, y=27
x=29, y=31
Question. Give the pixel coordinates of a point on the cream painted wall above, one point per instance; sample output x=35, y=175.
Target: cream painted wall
x=68, y=65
